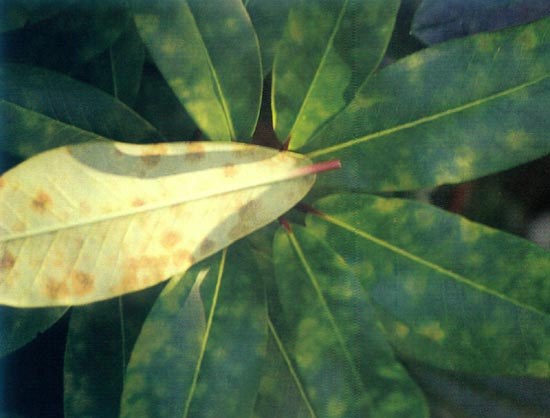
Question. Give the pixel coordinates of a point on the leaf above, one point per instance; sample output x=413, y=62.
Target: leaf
x=157, y=103
x=118, y=69
x=451, y=293
x=437, y=21
x=337, y=346
x=42, y=109
x=20, y=326
x=91, y=221
x=327, y=50
x=280, y=393
x=201, y=349
x=208, y=52
x=268, y=18
x=81, y=31
x=99, y=342
x=18, y=13
x=487, y=115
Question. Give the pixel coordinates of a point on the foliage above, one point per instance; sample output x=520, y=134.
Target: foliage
x=330, y=312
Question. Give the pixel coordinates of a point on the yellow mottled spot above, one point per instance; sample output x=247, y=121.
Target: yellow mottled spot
x=401, y=330
x=432, y=330
x=424, y=218
x=528, y=39
x=484, y=44
x=414, y=61
x=516, y=139
x=539, y=368
x=465, y=160
x=415, y=286
x=469, y=231
x=336, y=408
x=387, y=205
x=169, y=48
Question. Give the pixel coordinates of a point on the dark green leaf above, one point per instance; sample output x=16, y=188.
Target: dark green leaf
x=269, y=19
x=19, y=326
x=18, y=13
x=345, y=365
x=208, y=52
x=118, y=70
x=327, y=50
x=42, y=109
x=450, y=113
x=99, y=342
x=201, y=349
x=81, y=31
x=451, y=293
x=157, y=103
x=440, y=20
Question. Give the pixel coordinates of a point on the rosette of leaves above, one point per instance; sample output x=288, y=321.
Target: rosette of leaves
x=318, y=314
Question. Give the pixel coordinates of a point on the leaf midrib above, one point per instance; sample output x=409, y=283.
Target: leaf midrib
x=322, y=62
x=439, y=269
x=423, y=120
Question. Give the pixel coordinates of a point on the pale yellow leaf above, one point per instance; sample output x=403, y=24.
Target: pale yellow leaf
x=92, y=221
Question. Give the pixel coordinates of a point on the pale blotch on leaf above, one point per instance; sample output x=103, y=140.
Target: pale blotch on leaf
x=431, y=330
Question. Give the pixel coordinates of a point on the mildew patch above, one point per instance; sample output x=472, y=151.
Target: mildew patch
x=7, y=261
x=170, y=239
x=196, y=151
x=387, y=205
x=150, y=160
x=82, y=283
x=138, y=202
x=41, y=201
x=230, y=170
x=56, y=289
x=432, y=330
x=207, y=246
x=414, y=61
x=168, y=48
x=401, y=330
x=415, y=286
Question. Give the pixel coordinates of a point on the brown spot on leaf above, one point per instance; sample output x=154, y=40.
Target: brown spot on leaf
x=56, y=289
x=182, y=257
x=141, y=272
x=82, y=283
x=229, y=170
x=195, y=151
x=2, y=182
x=248, y=212
x=170, y=238
x=41, y=202
x=138, y=202
x=7, y=261
x=206, y=247
x=150, y=160
x=84, y=208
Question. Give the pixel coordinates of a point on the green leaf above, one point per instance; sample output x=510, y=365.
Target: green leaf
x=157, y=103
x=20, y=326
x=92, y=221
x=78, y=33
x=18, y=13
x=269, y=19
x=439, y=20
x=42, y=109
x=346, y=365
x=99, y=342
x=208, y=52
x=447, y=114
x=201, y=349
x=450, y=292
x=280, y=393
x=118, y=70
x=327, y=50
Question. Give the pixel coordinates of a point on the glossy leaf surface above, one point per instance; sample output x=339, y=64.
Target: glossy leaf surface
x=43, y=109
x=452, y=293
x=19, y=326
x=99, y=342
x=439, y=20
x=208, y=52
x=327, y=50
x=201, y=349
x=447, y=114
x=88, y=222
x=332, y=335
